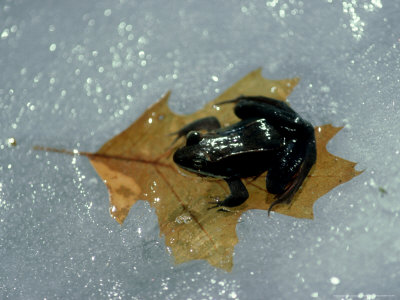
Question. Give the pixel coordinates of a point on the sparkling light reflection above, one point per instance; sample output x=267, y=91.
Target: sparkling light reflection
x=352, y=9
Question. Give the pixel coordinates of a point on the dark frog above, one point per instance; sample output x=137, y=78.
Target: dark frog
x=270, y=137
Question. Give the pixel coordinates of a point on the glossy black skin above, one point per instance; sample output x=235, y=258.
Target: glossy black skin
x=270, y=137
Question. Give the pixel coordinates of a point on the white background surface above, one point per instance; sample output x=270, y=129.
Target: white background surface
x=75, y=73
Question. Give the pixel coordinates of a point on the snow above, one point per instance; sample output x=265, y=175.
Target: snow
x=75, y=73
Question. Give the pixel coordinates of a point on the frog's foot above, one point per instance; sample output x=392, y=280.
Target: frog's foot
x=287, y=196
x=239, y=195
x=215, y=202
x=276, y=202
x=216, y=205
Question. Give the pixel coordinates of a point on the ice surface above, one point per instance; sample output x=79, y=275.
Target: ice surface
x=74, y=73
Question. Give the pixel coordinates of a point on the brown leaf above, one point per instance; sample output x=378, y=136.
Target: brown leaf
x=137, y=164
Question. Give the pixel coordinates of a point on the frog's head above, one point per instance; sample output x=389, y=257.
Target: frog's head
x=192, y=156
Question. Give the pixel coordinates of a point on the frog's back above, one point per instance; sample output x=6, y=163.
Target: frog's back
x=251, y=135
x=243, y=149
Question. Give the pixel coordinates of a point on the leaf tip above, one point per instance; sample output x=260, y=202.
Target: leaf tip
x=257, y=71
x=167, y=94
x=358, y=172
x=296, y=80
x=165, y=97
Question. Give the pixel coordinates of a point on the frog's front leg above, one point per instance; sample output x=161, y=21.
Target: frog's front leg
x=207, y=123
x=238, y=195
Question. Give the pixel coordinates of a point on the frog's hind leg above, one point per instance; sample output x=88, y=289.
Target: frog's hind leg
x=208, y=123
x=286, y=177
x=279, y=115
x=261, y=100
x=239, y=194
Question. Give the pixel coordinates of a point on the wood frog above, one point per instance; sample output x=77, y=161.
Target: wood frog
x=269, y=137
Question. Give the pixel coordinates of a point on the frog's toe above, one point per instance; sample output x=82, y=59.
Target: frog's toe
x=276, y=202
x=224, y=210
x=285, y=197
x=215, y=204
x=218, y=205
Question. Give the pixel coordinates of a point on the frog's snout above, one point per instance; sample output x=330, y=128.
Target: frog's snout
x=177, y=158
x=188, y=159
x=182, y=157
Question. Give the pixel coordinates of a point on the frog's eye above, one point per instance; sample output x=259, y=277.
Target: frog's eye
x=193, y=138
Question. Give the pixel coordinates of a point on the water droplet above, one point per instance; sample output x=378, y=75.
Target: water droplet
x=335, y=280
x=4, y=34
x=214, y=78
x=232, y=295
x=53, y=47
x=183, y=219
x=325, y=89
x=11, y=142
